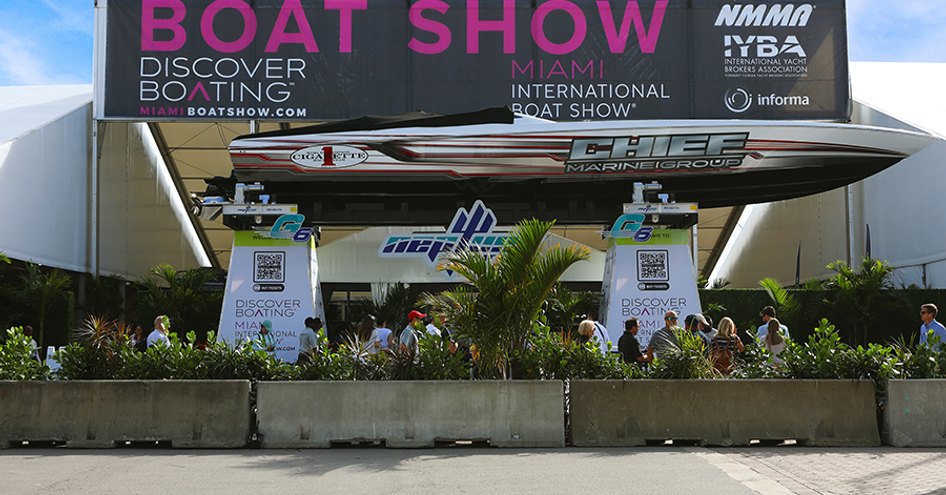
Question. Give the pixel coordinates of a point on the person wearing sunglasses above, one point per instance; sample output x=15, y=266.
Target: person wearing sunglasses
x=664, y=338
x=930, y=326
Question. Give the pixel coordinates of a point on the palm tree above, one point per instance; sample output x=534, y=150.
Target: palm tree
x=182, y=296
x=857, y=295
x=43, y=289
x=499, y=306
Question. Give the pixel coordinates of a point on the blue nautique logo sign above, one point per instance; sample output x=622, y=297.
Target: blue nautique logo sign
x=472, y=228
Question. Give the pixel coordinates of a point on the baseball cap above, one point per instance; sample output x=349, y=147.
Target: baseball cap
x=268, y=324
x=700, y=318
x=414, y=314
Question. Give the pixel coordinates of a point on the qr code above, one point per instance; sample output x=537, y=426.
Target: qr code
x=652, y=266
x=269, y=266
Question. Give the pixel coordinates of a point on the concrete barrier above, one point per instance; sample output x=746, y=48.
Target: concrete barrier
x=190, y=414
x=723, y=412
x=411, y=413
x=915, y=415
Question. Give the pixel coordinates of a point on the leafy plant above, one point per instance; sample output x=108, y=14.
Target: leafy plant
x=925, y=360
x=18, y=360
x=43, y=288
x=857, y=296
x=4, y=258
x=182, y=296
x=95, y=354
x=755, y=363
x=436, y=362
x=496, y=310
x=818, y=358
x=785, y=303
x=684, y=360
x=556, y=356
x=563, y=307
x=393, y=307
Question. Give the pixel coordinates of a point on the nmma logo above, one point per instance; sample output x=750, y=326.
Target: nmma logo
x=747, y=14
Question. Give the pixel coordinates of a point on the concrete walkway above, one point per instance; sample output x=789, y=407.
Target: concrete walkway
x=658, y=470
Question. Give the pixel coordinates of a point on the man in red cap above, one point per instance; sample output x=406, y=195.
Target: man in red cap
x=408, y=339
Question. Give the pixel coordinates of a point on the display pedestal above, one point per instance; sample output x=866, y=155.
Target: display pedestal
x=270, y=279
x=647, y=278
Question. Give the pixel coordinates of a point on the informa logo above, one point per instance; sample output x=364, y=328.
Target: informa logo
x=328, y=157
x=738, y=100
x=472, y=229
x=644, y=153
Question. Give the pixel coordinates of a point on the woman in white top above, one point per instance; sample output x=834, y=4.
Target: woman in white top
x=774, y=342
x=382, y=338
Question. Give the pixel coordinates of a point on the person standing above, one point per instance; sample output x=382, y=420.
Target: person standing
x=930, y=325
x=706, y=330
x=159, y=336
x=433, y=327
x=34, y=348
x=138, y=340
x=724, y=346
x=407, y=342
x=382, y=339
x=664, y=339
x=774, y=342
x=265, y=341
x=601, y=333
x=768, y=313
x=628, y=345
x=308, y=341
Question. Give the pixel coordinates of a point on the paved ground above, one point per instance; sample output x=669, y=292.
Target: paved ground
x=658, y=470
x=808, y=471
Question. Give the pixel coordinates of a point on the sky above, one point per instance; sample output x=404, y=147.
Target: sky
x=50, y=41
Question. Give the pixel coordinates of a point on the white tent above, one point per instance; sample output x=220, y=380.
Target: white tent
x=903, y=205
x=48, y=188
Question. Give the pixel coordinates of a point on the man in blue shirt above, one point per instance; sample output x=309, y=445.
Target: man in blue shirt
x=928, y=315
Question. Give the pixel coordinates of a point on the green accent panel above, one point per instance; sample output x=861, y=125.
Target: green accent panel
x=661, y=237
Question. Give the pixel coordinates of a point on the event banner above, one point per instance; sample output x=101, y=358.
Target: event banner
x=554, y=59
x=647, y=279
x=273, y=280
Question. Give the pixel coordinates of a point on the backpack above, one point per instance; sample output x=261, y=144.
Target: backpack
x=722, y=357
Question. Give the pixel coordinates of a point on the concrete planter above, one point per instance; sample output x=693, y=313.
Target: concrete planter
x=916, y=413
x=723, y=412
x=190, y=414
x=411, y=413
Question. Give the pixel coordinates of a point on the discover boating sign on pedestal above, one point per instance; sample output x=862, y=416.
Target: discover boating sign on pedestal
x=647, y=274
x=270, y=279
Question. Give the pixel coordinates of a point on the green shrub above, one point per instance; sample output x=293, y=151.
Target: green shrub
x=95, y=354
x=821, y=357
x=687, y=360
x=553, y=356
x=17, y=359
x=436, y=362
x=754, y=363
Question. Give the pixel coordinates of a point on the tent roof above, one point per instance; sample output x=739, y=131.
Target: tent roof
x=24, y=109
